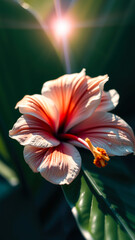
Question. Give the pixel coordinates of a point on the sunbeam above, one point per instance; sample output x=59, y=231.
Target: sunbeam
x=62, y=32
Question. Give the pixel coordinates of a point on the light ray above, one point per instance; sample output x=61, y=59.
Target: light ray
x=57, y=8
x=66, y=55
x=64, y=38
x=113, y=20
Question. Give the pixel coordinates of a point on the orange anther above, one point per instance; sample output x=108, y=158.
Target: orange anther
x=100, y=155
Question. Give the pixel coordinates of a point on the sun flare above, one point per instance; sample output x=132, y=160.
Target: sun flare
x=61, y=27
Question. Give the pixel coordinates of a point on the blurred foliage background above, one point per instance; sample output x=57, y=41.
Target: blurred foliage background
x=102, y=41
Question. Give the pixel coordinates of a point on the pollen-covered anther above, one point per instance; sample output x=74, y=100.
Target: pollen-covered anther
x=100, y=155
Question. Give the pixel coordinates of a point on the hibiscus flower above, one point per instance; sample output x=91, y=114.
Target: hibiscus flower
x=72, y=111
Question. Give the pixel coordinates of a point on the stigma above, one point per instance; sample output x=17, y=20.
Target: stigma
x=101, y=157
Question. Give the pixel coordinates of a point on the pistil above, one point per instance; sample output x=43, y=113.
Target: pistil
x=68, y=136
x=100, y=155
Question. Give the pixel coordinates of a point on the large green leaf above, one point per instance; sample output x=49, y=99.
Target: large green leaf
x=102, y=200
x=42, y=8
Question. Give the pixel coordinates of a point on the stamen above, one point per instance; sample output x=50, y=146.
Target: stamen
x=100, y=155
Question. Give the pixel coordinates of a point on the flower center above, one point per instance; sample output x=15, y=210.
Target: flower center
x=100, y=155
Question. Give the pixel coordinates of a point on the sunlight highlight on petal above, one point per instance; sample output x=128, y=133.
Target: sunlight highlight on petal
x=107, y=131
x=61, y=164
x=29, y=130
x=109, y=101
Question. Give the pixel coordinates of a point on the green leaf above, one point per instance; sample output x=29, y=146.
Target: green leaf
x=27, y=60
x=41, y=8
x=102, y=200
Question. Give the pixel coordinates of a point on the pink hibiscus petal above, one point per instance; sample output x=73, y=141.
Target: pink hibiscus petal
x=76, y=96
x=33, y=156
x=61, y=164
x=85, y=102
x=109, y=100
x=40, y=107
x=61, y=91
x=29, y=130
x=108, y=131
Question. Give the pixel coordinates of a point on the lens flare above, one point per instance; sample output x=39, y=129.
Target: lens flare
x=61, y=27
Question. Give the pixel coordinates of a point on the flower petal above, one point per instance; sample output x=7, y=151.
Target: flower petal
x=107, y=131
x=86, y=99
x=76, y=96
x=109, y=100
x=61, y=164
x=34, y=156
x=61, y=90
x=40, y=107
x=29, y=130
